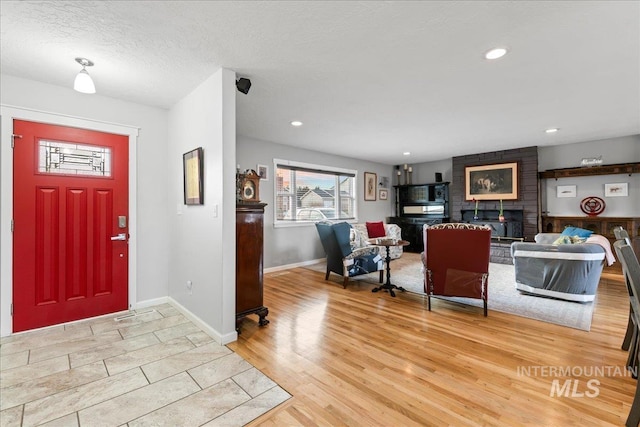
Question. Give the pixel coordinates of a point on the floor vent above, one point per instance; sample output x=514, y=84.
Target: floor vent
x=136, y=314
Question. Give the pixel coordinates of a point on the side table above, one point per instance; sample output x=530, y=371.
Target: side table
x=387, y=243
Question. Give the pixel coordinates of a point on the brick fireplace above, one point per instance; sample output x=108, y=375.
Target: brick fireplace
x=521, y=215
x=508, y=229
x=503, y=233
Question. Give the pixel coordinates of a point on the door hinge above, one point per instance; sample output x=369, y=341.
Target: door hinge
x=13, y=139
x=12, y=309
x=12, y=224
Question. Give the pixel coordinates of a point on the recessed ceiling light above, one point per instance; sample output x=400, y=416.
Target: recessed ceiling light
x=296, y=123
x=406, y=153
x=552, y=130
x=496, y=53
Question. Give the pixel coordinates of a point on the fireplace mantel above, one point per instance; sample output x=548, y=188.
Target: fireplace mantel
x=510, y=228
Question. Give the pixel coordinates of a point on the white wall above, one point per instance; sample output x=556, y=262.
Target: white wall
x=625, y=149
x=151, y=176
x=425, y=173
x=203, y=236
x=615, y=150
x=291, y=245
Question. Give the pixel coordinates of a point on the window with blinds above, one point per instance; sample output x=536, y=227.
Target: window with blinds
x=310, y=193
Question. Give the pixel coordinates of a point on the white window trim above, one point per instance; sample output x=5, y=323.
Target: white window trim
x=293, y=163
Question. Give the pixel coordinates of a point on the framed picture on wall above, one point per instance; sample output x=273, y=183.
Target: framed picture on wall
x=383, y=194
x=620, y=189
x=370, y=186
x=192, y=164
x=263, y=172
x=491, y=182
x=566, y=191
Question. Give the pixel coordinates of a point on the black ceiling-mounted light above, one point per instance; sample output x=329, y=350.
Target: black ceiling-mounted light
x=243, y=85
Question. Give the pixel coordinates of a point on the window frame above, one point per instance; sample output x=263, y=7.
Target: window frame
x=332, y=170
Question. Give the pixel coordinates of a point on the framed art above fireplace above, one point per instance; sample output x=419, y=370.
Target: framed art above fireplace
x=491, y=182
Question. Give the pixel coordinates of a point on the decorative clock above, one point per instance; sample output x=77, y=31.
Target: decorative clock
x=249, y=187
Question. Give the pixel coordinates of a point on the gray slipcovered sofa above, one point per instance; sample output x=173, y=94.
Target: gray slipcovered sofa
x=566, y=271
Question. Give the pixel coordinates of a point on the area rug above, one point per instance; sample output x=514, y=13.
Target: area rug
x=503, y=296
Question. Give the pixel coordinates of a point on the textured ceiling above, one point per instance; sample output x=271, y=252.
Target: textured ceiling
x=369, y=79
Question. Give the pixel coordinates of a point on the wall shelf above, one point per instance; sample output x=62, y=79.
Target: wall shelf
x=619, y=168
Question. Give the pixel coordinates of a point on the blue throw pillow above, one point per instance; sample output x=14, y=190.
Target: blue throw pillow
x=575, y=231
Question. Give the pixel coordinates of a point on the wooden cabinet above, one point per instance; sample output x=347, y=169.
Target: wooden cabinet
x=599, y=225
x=249, y=259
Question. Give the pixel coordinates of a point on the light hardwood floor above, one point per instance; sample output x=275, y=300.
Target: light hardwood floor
x=352, y=357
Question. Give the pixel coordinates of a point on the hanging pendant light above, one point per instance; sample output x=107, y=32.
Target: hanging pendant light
x=83, y=82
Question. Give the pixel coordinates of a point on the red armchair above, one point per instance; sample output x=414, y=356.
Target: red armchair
x=456, y=260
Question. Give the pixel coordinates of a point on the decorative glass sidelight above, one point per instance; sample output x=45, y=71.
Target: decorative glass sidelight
x=68, y=158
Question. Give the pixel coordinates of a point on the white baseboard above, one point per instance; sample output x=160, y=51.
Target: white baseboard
x=221, y=339
x=294, y=265
x=149, y=303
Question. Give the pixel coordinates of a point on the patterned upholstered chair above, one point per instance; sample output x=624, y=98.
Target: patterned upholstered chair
x=456, y=260
x=341, y=258
x=392, y=231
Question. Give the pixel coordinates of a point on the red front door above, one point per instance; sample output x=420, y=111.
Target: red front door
x=70, y=212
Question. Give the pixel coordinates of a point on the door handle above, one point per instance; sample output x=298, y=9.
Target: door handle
x=121, y=236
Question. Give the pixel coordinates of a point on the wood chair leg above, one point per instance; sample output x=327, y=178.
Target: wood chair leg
x=628, y=335
x=344, y=283
x=381, y=275
x=633, y=419
x=632, y=359
x=429, y=302
x=634, y=413
x=326, y=276
x=485, y=307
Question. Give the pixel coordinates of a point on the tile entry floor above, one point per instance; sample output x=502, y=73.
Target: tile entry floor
x=149, y=367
